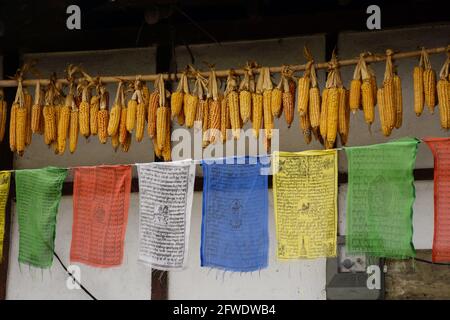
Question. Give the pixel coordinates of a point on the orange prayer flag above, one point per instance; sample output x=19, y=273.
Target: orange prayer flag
x=101, y=198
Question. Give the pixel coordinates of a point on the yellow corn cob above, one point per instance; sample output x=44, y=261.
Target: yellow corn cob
x=114, y=119
x=303, y=95
x=257, y=113
x=36, y=114
x=214, y=120
x=344, y=115
x=145, y=94
x=355, y=95
x=205, y=121
x=140, y=121
x=153, y=104
x=368, y=101
x=131, y=115
x=73, y=130
x=21, y=131
x=288, y=107
x=49, y=122
x=103, y=123
x=63, y=128
x=429, y=87
x=181, y=118
x=305, y=124
x=167, y=150
x=385, y=127
x=398, y=101
x=41, y=123
x=389, y=102
x=12, y=127
x=443, y=91
x=123, y=126
x=267, y=113
x=93, y=114
x=418, y=90
x=245, y=105
x=275, y=103
x=224, y=119
x=83, y=115
x=28, y=101
x=115, y=141
x=324, y=114
x=314, y=107
x=233, y=105
x=156, y=149
x=176, y=103
x=373, y=85
x=127, y=143
x=190, y=109
x=332, y=114
x=161, y=125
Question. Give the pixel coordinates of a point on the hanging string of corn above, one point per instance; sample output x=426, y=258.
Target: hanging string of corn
x=443, y=91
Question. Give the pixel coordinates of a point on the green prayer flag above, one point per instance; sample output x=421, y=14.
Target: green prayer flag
x=38, y=192
x=380, y=198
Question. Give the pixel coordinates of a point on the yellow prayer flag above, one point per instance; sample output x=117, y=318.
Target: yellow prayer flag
x=305, y=201
x=4, y=190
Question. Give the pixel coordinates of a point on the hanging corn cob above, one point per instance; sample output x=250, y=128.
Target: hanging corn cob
x=257, y=106
x=355, y=88
x=314, y=100
x=83, y=113
x=49, y=115
x=388, y=116
x=153, y=104
x=214, y=109
x=385, y=128
x=225, y=124
x=123, y=132
x=28, y=101
x=368, y=93
x=429, y=83
x=373, y=83
x=267, y=106
x=344, y=115
x=103, y=118
x=3, y=114
x=74, y=127
x=131, y=112
x=190, y=104
x=418, y=81
x=140, y=116
x=335, y=90
x=245, y=95
x=115, y=113
x=398, y=101
x=303, y=89
x=289, y=88
x=64, y=121
x=177, y=97
x=167, y=148
x=233, y=105
x=324, y=111
x=18, y=123
x=162, y=114
x=443, y=91
x=36, y=110
x=94, y=107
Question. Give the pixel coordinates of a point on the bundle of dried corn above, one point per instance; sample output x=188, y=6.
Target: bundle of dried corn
x=443, y=91
x=368, y=92
x=178, y=97
x=289, y=88
x=233, y=104
x=257, y=106
x=429, y=83
x=115, y=114
x=387, y=108
x=103, y=117
x=215, y=106
x=153, y=104
x=245, y=94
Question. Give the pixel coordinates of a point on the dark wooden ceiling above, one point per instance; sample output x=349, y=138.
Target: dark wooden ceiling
x=31, y=26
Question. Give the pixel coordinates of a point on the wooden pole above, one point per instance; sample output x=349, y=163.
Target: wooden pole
x=224, y=73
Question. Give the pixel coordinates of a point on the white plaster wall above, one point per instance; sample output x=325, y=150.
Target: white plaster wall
x=301, y=279
x=129, y=281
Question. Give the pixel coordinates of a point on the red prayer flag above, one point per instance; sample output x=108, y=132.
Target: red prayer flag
x=101, y=198
x=441, y=241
